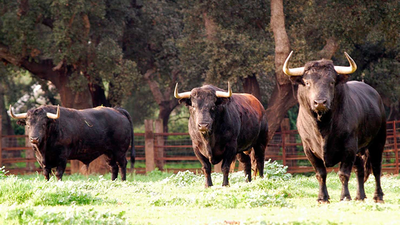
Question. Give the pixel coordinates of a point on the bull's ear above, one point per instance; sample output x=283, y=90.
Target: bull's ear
x=186, y=101
x=297, y=80
x=222, y=101
x=342, y=78
x=21, y=122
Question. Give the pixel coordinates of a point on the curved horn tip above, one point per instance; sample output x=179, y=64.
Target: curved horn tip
x=176, y=91
x=347, y=69
x=291, y=72
x=54, y=116
x=17, y=116
x=229, y=89
x=181, y=95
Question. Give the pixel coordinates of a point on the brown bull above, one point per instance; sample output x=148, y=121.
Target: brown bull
x=223, y=125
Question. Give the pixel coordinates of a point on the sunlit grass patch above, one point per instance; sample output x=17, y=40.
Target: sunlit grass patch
x=23, y=214
x=14, y=190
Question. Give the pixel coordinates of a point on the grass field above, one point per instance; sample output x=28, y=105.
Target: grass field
x=162, y=198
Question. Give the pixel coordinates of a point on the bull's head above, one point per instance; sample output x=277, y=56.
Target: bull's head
x=318, y=81
x=204, y=104
x=37, y=121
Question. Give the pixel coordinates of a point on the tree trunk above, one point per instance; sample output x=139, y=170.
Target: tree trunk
x=283, y=96
x=251, y=86
x=394, y=113
x=5, y=121
x=164, y=100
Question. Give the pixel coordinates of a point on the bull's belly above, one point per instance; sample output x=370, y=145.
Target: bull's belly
x=86, y=155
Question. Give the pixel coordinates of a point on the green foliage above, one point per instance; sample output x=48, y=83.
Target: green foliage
x=274, y=170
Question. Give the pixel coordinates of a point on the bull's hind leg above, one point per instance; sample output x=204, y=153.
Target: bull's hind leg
x=114, y=167
x=359, y=169
x=259, y=154
x=375, y=149
x=344, y=176
x=122, y=162
x=246, y=162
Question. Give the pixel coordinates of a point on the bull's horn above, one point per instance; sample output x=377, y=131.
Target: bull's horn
x=223, y=94
x=347, y=69
x=292, y=72
x=181, y=95
x=54, y=116
x=18, y=116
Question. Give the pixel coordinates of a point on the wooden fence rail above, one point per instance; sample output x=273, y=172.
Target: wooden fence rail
x=156, y=149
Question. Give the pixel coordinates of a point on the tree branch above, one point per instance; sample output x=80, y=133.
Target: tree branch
x=329, y=49
x=6, y=56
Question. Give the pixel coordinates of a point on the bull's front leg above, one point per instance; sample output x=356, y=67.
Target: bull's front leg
x=206, y=166
x=46, y=172
x=62, y=164
x=320, y=170
x=345, y=168
x=230, y=154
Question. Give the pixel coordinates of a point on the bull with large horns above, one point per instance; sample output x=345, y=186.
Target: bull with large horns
x=58, y=134
x=222, y=126
x=339, y=122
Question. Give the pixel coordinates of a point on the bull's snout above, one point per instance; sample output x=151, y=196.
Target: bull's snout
x=34, y=140
x=320, y=104
x=203, y=127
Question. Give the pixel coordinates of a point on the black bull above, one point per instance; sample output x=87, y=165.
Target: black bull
x=59, y=134
x=340, y=122
x=222, y=125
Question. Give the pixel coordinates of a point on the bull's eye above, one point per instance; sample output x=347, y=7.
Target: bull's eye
x=332, y=83
x=307, y=83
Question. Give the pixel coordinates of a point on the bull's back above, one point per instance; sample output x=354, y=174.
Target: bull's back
x=99, y=129
x=252, y=117
x=366, y=109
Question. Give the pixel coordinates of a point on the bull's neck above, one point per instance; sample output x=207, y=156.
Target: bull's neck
x=325, y=122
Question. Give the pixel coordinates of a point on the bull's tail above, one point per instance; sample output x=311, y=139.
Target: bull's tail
x=367, y=165
x=133, y=151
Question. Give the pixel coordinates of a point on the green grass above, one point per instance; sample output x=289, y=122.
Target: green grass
x=164, y=198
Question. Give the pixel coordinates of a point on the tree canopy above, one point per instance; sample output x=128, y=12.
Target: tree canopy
x=131, y=53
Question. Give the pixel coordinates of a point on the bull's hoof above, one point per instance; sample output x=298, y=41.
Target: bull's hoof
x=348, y=198
x=378, y=200
x=360, y=198
x=323, y=201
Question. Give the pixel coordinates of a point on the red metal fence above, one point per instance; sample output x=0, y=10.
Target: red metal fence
x=173, y=151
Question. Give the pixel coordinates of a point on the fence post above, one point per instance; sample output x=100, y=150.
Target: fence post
x=160, y=144
x=149, y=145
x=395, y=147
x=1, y=142
x=29, y=154
x=283, y=135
